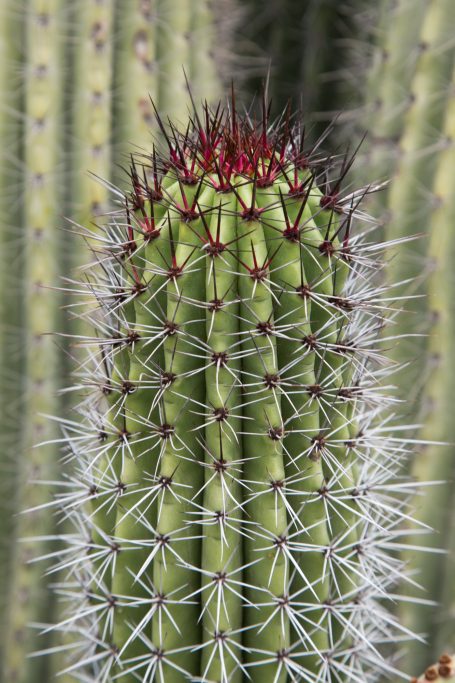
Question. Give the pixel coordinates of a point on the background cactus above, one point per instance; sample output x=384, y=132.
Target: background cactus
x=91, y=98
x=436, y=463
x=407, y=205
x=231, y=498
x=409, y=121
x=392, y=64
x=10, y=258
x=41, y=243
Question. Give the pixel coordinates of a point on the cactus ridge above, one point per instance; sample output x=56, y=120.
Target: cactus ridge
x=36, y=270
x=235, y=492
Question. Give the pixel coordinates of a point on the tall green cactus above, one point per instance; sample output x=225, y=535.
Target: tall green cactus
x=160, y=45
x=91, y=112
x=408, y=206
x=437, y=463
x=136, y=72
x=234, y=491
x=406, y=99
x=10, y=261
x=204, y=55
x=387, y=98
x=28, y=594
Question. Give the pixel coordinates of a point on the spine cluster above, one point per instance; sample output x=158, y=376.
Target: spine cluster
x=235, y=498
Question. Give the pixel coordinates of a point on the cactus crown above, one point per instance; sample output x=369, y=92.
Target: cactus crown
x=234, y=490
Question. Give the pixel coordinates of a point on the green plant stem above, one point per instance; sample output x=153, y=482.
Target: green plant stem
x=264, y=458
x=408, y=205
x=30, y=601
x=172, y=41
x=387, y=98
x=437, y=463
x=136, y=72
x=10, y=268
x=203, y=76
x=91, y=109
x=171, y=574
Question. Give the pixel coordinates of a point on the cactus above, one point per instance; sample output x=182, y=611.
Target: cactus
x=304, y=47
x=204, y=52
x=440, y=672
x=156, y=43
x=436, y=463
x=234, y=493
x=28, y=595
x=91, y=108
x=136, y=71
x=405, y=103
x=408, y=207
x=392, y=67
x=10, y=359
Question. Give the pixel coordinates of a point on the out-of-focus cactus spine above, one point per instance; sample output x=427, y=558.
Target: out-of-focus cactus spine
x=230, y=514
x=29, y=598
x=437, y=463
x=408, y=207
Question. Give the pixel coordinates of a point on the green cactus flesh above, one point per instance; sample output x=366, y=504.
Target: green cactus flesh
x=230, y=498
x=408, y=207
x=11, y=360
x=28, y=592
x=436, y=462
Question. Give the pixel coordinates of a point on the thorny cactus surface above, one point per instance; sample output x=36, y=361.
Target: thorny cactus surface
x=235, y=496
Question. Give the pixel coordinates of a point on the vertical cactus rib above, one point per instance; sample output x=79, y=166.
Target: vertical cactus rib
x=29, y=594
x=290, y=224
x=10, y=264
x=203, y=77
x=91, y=108
x=136, y=73
x=173, y=40
x=176, y=545
x=407, y=202
x=237, y=511
x=389, y=80
x=436, y=463
x=221, y=562
x=267, y=543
